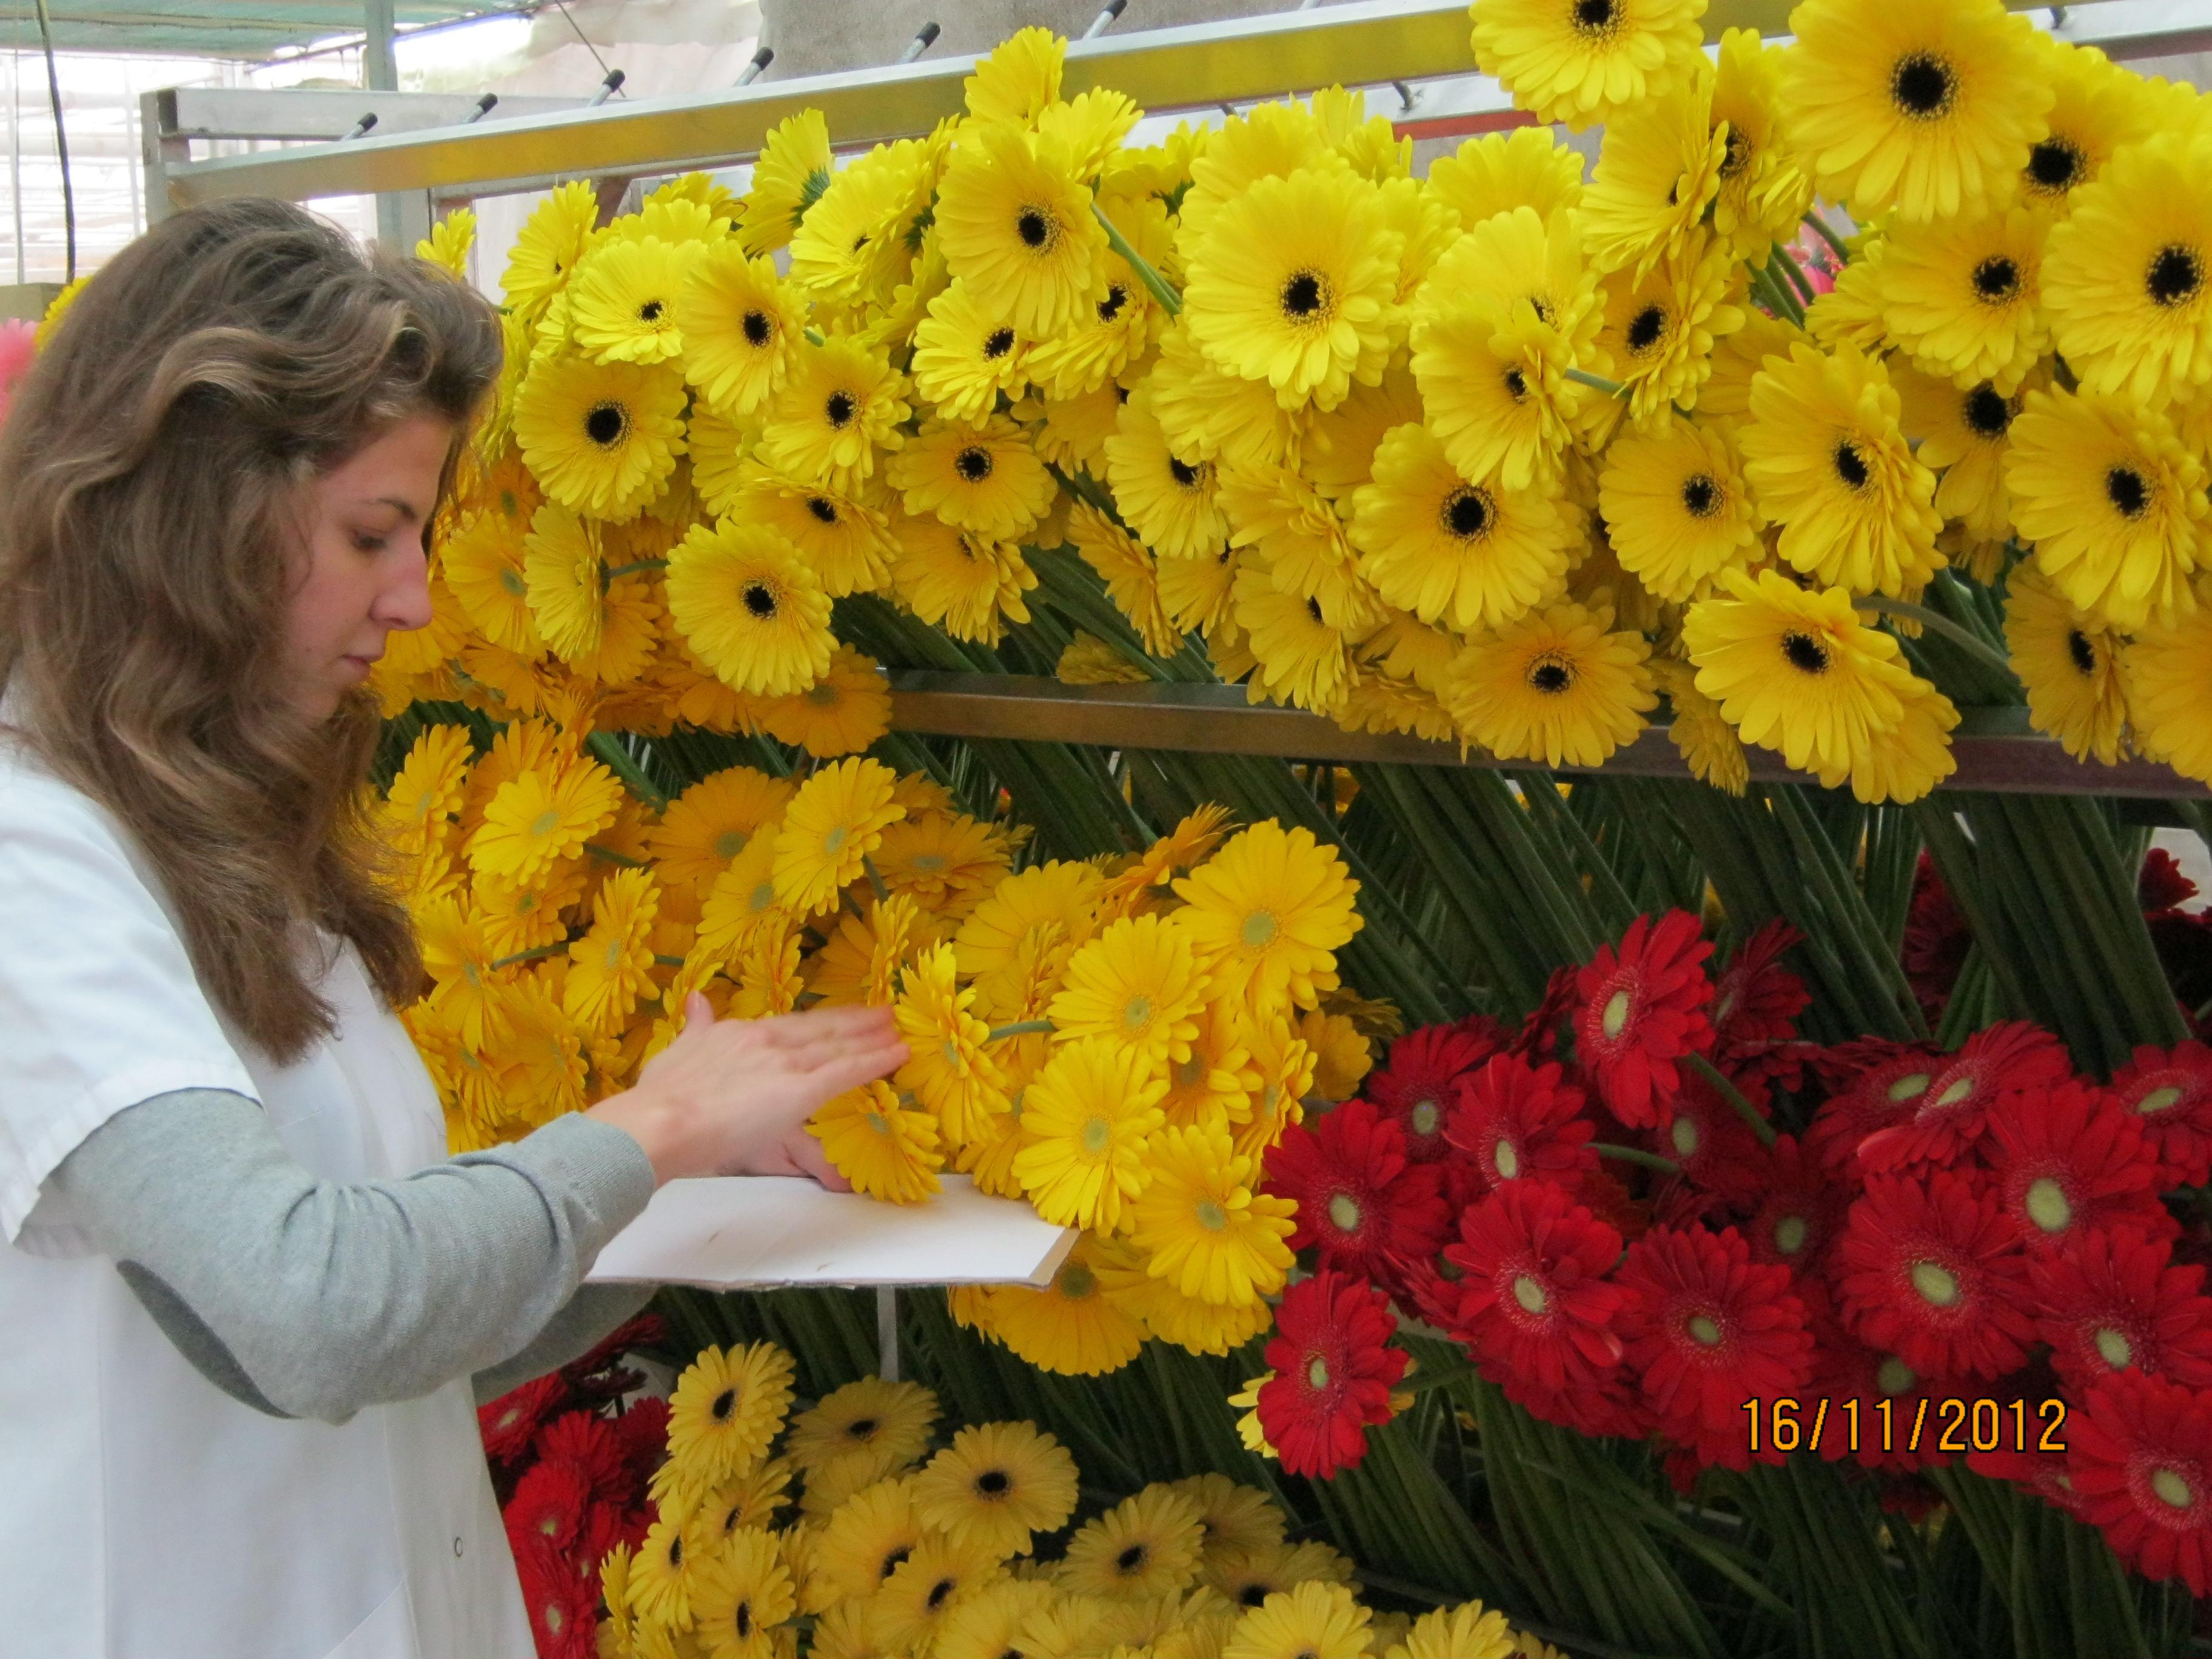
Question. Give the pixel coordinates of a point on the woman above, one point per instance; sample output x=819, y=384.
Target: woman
x=244, y=1293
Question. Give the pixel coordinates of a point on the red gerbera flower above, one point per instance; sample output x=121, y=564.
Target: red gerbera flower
x=1540, y=1032
x=508, y=1423
x=1359, y=1202
x=2115, y=1302
x=587, y=1441
x=642, y=1431
x=2139, y=1452
x=1935, y=1271
x=2170, y=1092
x=2065, y=1159
x=1885, y=1397
x=1334, y=1368
x=1516, y=1120
x=1708, y=1141
x=1534, y=1302
x=549, y=1503
x=564, y=1604
x=1948, y=1115
x=1642, y=1009
x=2159, y=884
x=1707, y=1327
x=1756, y=1000
x=1872, y=1084
x=1415, y=1087
x=1936, y=939
x=1799, y=1210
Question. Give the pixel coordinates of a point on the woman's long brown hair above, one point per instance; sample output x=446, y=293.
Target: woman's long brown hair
x=153, y=473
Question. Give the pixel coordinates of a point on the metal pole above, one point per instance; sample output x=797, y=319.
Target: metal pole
x=924, y=39
x=1104, y=21
x=381, y=73
x=887, y=1346
x=16, y=155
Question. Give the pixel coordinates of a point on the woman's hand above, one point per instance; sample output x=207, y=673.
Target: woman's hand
x=731, y=1097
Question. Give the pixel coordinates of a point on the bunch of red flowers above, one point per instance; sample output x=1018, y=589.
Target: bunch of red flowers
x=1652, y=1210
x=571, y=1454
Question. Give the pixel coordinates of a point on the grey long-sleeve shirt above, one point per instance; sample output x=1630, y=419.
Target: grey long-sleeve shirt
x=307, y=1298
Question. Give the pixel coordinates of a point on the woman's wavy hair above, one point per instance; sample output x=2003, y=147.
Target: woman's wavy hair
x=153, y=523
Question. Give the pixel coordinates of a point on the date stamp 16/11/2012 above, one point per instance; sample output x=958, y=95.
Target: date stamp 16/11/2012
x=1948, y=1424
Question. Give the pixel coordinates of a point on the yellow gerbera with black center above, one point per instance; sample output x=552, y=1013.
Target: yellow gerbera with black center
x=884, y=1424
x=553, y=239
x=740, y=327
x=840, y=403
x=1577, y=61
x=726, y=1408
x=1657, y=174
x=851, y=246
x=1677, y=511
x=621, y=302
x=601, y=439
x=996, y=1487
x=1299, y=658
x=744, y=1596
x=844, y=538
x=1798, y=670
x=1964, y=296
x=1144, y=1545
x=749, y=608
x=1016, y=226
x=965, y=355
x=1172, y=503
x=1558, y=686
x=2097, y=108
x=1963, y=434
x=1764, y=194
x=1827, y=461
x=2069, y=666
x=1929, y=108
x=983, y=478
x=1659, y=328
x=2113, y=502
x=970, y=586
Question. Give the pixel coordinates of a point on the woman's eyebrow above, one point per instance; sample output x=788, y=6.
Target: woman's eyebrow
x=406, y=510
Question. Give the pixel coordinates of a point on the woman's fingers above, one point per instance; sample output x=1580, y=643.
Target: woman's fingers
x=805, y=1152
x=836, y=1073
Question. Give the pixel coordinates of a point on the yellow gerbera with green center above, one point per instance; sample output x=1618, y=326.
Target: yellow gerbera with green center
x=835, y=821
x=1139, y=983
x=949, y=1070
x=1088, y=1118
x=885, y=1147
x=1269, y=911
x=1206, y=1232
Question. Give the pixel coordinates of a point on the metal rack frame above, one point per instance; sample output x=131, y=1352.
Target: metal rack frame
x=421, y=149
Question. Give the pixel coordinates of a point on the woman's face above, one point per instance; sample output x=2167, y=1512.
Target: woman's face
x=366, y=570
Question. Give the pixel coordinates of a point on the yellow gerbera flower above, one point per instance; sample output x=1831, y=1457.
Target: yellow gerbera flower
x=1205, y=414
x=426, y=792
x=1963, y=434
x=789, y=178
x=1301, y=541
x=726, y=1408
x=621, y=301
x=983, y=478
x=842, y=713
x=923, y=1592
x=1577, y=61
x=882, y=1425
x=2113, y=502
x=482, y=562
x=840, y=403
x=661, y=1579
x=601, y=438
x=1557, y=686
x=835, y=821
x=1139, y=983
x=2069, y=666
x=1469, y=1630
x=2095, y=110
x=1087, y=1118
x=1915, y=757
x=1448, y=548
x=1826, y=459
x=886, y=1148
x=1295, y=283
x=1019, y=79
x=844, y=540
x=1763, y=193
x=2168, y=675
x=1269, y=911
x=1928, y=108
x=1300, y=658
x=996, y=1621
x=947, y=862
x=543, y=816
x=740, y=328
x=1144, y=1546
x=1207, y=1233
x=1659, y=329
x=1676, y=509
x=711, y=822
x=447, y=245
x=1131, y=576
x=553, y=239
x=965, y=355
x=867, y=1537
x=1172, y=504
x=1317, y=1618
x=970, y=586
x=1070, y=1328
x=611, y=967
x=1963, y=296
x=1798, y=671
x=743, y=1597
x=1707, y=742
x=1499, y=172
x=749, y=608
x=1016, y=226
x=1248, y=1574
x=950, y=1072
x=995, y=1487
x=851, y=247
x=1657, y=174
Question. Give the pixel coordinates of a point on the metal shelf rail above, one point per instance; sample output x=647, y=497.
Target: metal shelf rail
x=426, y=142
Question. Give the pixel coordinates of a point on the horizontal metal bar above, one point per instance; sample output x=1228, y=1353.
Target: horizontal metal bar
x=319, y=114
x=1994, y=749
x=1363, y=42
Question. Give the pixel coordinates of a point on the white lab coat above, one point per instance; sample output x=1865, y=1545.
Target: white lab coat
x=145, y=1514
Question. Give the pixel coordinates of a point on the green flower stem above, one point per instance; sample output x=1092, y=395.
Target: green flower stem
x=660, y=961
x=815, y=337
x=1782, y=302
x=875, y=878
x=1971, y=643
x=533, y=955
x=1163, y=291
x=1744, y=1110
x=610, y=572
x=1788, y=262
x=1820, y=228
x=620, y=763
x=608, y=855
x=1597, y=382
x=1020, y=1028
x=1636, y=1155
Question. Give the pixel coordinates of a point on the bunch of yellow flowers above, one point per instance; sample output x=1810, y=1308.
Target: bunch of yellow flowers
x=901, y=1543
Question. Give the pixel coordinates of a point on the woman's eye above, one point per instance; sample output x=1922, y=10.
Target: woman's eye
x=368, y=543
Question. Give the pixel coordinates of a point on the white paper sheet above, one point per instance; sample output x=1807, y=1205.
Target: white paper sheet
x=755, y=1232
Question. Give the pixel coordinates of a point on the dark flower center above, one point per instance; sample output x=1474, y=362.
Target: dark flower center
x=1551, y=674
x=891, y=1561
x=1804, y=654
x=1033, y=227
x=1466, y=513
x=1701, y=496
x=1185, y=475
x=1996, y=279
x=1850, y=466
x=1254, y=1596
x=1111, y=306
x=1302, y=295
x=2128, y=491
x=1923, y=86
x=758, y=330
x=1595, y=16
x=1313, y=610
x=607, y=424
x=1542, y=307
x=860, y=1428
x=2174, y=276
x=1516, y=383
x=2056, y=164
x=991, y=1482
x=761, y=603
x=1646, y=328
x=823, y=508
x=939, y=1590
x=1736, y=152
x=744, y=1618
x=1131, y=1559
x=841, y=409
x=998, y=343
x=676, y=1550
x=1989, y=415
x=649, y=312
x=727, y=1401
x=973, y=463
x=2083, y=653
